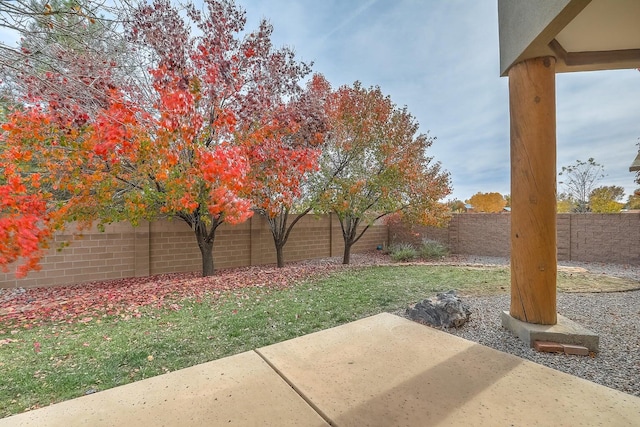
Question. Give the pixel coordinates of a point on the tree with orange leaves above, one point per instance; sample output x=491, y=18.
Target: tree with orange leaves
x=488, y=202
x=181, y=147
x=375, y=163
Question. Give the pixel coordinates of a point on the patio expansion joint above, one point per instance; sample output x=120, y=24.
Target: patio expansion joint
x=304, y=397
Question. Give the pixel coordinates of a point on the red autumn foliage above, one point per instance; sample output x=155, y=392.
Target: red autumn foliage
x=177, y=142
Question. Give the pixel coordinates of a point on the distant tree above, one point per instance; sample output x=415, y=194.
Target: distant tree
x=606, y=199
x=457, y=206
x=580, y=180
x=374, y=163
x=565, y=203
x=507, y=197
x=487, y=202
x=634, y=200
x=70, y=52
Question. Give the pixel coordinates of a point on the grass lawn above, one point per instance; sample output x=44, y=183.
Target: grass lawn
x=56, y=360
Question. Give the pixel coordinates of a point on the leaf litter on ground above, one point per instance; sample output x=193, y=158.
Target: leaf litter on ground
x=85, y=302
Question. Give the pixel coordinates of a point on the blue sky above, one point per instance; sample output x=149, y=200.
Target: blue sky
x=441, y=59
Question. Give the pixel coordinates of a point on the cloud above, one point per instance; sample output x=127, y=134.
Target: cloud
x=350, y=18
x=441, y=60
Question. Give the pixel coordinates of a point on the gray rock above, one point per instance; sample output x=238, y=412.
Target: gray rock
x=445, y=310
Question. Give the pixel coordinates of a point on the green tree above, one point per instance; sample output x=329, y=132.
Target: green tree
x=69, y=52
x=633, y=202
x=457, y=206
x=565, y=203
x=374, y=164
x=606, y=199
x=579, y=181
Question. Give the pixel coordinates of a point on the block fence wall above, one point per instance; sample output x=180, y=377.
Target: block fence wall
x=170, y=247
x=607, y=238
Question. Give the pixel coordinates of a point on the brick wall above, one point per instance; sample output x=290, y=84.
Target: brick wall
x=613, y=238
x=170, y=246
x=607, y=238
x=92, y=256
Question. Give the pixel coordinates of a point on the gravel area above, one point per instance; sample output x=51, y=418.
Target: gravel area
x=625, y=271
x=614, y=316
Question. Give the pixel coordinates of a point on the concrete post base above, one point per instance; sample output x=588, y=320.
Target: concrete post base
x=565, y=331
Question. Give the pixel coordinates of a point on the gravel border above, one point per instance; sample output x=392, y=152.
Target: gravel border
x=614, y=316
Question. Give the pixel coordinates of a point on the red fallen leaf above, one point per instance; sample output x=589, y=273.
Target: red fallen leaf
x=36, y=347
x=124, y=297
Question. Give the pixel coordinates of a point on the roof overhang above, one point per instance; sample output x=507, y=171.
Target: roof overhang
x=583, y=35
x=635, y=166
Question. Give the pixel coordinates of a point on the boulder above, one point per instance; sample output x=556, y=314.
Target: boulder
x=444, y=310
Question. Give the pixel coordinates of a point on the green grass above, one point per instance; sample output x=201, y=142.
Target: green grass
x=76, y=359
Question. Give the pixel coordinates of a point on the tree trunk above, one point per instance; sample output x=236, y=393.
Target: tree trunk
x=205, y=240
x=279, y=254
x=349, y=226
x=346, y=258
x=280, y=231
x=206, y=250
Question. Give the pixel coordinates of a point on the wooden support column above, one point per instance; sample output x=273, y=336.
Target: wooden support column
x=532, y=106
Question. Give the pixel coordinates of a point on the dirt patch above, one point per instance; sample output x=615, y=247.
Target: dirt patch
x=590, y=282
x=576, y=280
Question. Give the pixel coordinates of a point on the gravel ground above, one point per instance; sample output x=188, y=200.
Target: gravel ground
x=614, y=316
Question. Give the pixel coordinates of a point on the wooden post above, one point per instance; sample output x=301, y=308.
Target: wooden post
x=532, y=108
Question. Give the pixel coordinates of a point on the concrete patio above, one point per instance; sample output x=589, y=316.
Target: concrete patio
x=379, y=371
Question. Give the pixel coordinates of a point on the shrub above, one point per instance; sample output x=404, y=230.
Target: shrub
x=403, y=252
x=431, y=249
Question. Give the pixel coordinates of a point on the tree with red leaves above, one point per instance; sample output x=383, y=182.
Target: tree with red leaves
x=283, y=159
x=181, y=147
x=375, y=164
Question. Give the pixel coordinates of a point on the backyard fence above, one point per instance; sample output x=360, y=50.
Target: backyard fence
x=606, y=238
x=170, y=247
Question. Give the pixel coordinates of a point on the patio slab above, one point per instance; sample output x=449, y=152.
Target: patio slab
x=240, y=390
x=380, y=371
x=388, y=371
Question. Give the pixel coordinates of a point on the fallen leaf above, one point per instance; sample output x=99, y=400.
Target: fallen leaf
x=124, y=297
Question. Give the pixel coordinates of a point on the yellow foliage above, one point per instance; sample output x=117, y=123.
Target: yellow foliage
x=487, y=202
